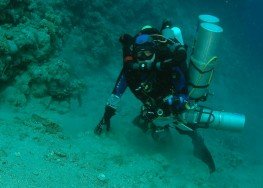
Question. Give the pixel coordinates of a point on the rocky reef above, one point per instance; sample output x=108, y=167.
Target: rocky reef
x=45, y=44
x=31, y=38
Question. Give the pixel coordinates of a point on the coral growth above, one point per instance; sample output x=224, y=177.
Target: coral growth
x=35, y=37
x=31, y=35
x=27, y=35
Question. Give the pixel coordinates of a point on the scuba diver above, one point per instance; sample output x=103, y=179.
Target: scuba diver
x=155, y=70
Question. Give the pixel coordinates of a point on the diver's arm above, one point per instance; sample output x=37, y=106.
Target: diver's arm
x=118, y=90
x=180, y=97
x=180, y=56
x=112, y=103
x=120, y=87
x=121, y=84
x=179, y=80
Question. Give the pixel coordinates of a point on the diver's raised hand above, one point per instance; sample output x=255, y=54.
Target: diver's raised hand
x=105, y=121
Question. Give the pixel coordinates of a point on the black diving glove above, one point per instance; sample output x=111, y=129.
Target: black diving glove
x=105, y=121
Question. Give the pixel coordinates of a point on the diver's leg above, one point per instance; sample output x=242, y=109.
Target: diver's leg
x=159, y=135
x=200, y=149
x=140, y=122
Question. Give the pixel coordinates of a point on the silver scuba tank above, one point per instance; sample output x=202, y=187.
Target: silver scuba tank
x=207, y=118
x=204, y=56
x=173, y=33
x=205, y=18
x=203, y=118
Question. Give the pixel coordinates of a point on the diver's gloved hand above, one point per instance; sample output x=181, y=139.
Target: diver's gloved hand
x=105, y=121
x=178, y=101
x=180, y=54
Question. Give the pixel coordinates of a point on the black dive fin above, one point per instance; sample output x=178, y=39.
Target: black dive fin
x=201, y=151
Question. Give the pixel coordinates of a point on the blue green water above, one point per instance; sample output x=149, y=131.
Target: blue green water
x=49, y=143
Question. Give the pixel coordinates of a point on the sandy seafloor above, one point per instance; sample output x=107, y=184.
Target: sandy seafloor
x=31, y=155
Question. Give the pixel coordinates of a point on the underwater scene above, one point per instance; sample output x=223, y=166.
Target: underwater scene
x=150, y=93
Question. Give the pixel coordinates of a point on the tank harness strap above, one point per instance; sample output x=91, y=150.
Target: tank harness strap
x=161, y=39
x=196, y=86
x=209, y=119
x=202, y=98
x=198, y=80
x=200, y=114
x=199, y=70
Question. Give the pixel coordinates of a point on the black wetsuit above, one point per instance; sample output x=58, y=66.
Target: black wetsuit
x=169, y=78
x=154, y=84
